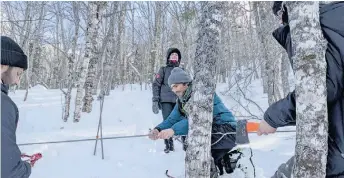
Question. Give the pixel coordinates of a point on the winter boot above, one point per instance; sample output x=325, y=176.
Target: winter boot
x=227, y=164
x=230, y=160
x=171, y=144
x=184, y=143
x=219, y=165
x=167, y=146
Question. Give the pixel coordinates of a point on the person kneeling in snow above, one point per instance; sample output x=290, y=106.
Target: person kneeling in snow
x=222, y=149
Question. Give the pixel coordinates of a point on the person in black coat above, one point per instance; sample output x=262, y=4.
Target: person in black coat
x=163, y=97
x=283, y=112
x=13, y=64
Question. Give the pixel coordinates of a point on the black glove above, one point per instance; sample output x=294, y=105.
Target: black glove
x=155, y=107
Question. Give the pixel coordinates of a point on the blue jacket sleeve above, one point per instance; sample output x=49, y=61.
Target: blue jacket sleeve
x=173, y=118
x=181, y=127
x=175, y=121
x=221, y=113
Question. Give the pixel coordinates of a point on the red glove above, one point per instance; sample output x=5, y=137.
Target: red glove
x=32, y=159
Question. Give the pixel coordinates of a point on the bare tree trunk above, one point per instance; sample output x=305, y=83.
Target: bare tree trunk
x=157, y=38
x=109, y=54
x=94, y=59
x=200, y=108
x=71, y=61
x=123, y=58
x=117, y=68
x=36, y=52
x=277, y=84
x=222, y=56
x=63, y=68
x=93, y=22
x=310, y=90
x=260, y=17
x=25, y=44
x=285, y=74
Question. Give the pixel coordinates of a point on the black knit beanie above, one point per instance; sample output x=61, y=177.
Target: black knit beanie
x=277, y=6
x=11, y=53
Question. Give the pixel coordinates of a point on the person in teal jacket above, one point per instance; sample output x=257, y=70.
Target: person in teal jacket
x=177, y=123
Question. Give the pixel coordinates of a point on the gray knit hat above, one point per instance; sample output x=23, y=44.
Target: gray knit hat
x=178, y=75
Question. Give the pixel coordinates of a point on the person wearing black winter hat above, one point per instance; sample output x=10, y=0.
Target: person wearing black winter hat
x=163, y=97
x=13, y=64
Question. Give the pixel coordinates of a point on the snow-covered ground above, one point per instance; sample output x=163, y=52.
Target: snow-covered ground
x=125, y=113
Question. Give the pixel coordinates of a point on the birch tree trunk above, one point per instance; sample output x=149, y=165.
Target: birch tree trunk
x=260, y=17
x=285, y=74
x=71, y=61
x=63, y=67
x=93, y=21
x=109, y=54
x=123, y=59
x=277, y=81
x=200, y=107
x=102, y=53
x=24, y=41
x=117, y=68
x=157, y=37
x=36, y=54
x=310, y=90
x=94, y=59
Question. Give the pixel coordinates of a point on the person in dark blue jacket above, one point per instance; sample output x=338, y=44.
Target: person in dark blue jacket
x=177, y=122
x=283, y=112
x=13, y=64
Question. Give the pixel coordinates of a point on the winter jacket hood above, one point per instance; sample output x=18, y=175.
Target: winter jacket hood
x=169, y=52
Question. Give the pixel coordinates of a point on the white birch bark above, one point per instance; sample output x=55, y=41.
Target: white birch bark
x=200, y=106
x=109, y=53
x=94, y=59
x=285, y=65
x=71, y=60
x=92, y=24
x=310, y=90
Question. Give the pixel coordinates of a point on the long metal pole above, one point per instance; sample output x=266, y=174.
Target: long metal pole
x=101, y=125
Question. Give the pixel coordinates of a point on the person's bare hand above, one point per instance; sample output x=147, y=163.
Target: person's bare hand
x=153, y=135
x=166, y=134
x=265, y=128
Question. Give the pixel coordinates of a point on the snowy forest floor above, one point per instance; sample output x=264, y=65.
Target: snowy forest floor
x=125, y=113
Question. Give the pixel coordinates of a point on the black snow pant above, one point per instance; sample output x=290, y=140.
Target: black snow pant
x=285, y=170
x=166, y=109
x=221, y=146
